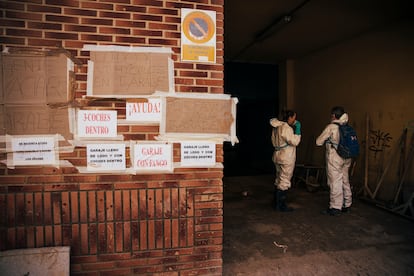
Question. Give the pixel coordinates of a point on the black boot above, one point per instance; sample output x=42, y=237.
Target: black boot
x=281, y=201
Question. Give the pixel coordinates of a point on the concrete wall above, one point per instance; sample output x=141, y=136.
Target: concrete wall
x=116, y=224
x=370, y=75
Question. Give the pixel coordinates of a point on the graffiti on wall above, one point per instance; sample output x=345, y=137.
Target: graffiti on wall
x=379, y=141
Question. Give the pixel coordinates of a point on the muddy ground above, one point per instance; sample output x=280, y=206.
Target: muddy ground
x=260, y=241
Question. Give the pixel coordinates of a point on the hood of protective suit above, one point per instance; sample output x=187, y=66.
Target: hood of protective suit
x=274, y=122
x=342, y=120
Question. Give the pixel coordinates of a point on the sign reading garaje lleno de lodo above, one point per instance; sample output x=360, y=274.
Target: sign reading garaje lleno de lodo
x=97, y=123
x=105, y=157
x=149, y=157
x=143, y=110
x=198, y=154
x=33, y=150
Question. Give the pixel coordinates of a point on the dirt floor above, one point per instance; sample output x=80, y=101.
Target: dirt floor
x=260, y=241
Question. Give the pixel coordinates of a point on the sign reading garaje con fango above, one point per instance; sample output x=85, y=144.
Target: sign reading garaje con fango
x=97, y=123
x=152, y=157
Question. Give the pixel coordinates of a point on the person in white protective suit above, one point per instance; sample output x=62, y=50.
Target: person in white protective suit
x=337, y=168
x=286, y=137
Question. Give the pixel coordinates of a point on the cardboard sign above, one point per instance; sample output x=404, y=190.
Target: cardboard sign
x=198, y=154
x=36, y=119
x=199, y=116
x=129, y=72
x=144, y=111
x=33, y=150
x=152, y=157
x=97, y=123
x=35, y=79
x=105, y=157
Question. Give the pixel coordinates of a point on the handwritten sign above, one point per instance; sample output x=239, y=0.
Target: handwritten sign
x=35, y=79
x=105, y=157
x=144, y=111
x=129, y=73
x=198, y=154
x=36, y=119
x=152, y=157
x=97, y=123
x=192, y=115
x=33, y=150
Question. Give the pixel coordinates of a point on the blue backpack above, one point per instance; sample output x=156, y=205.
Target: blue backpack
x=348, y=146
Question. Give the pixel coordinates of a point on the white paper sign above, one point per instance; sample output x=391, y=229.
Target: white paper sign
x=97, y=123
x=198, y=154
x=152, y=157
x=105, y=157
x=144, y=111
x=33, y=150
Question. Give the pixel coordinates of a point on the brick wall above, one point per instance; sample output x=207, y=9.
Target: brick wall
x=169, y=224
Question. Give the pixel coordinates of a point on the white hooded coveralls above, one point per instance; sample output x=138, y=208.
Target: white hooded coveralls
x=337, y=168
x=284, y=157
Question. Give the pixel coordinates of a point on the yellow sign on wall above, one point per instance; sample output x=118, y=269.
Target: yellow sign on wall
x=198, y=35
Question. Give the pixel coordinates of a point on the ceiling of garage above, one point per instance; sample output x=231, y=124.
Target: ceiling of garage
x=267, y=31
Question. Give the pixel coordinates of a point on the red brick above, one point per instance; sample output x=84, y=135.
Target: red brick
x=130, y=24
x=57, y=235
x=109, y=206
x=81, y=12
x=12, y=179
x=40, y=236
x=110, y=238
x=151, y=234
x=97, y=6
x=24, y=33
x=147, y=17
x=79, y=179
x=112, y=30
x=62, y=19
x=146, y=33
x=44, y=42
x=60, y=35
x=119, y=237
x=12, y=23
x=92, y=206
x=75, y=242
x=24, y=15
x=134, y=235
x=13, y=40
x=143, y=242
x=96, y=22
x=124, y=15
x=43, y=9
x=48, y=235
x=159, y=241
x=84, y=242
x=127, y=236
x=83, y=207
x=175, y=232
x=66, y=235
x=80, y=28
x=98, y=266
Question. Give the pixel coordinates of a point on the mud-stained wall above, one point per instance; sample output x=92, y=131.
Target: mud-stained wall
x=115, y=223
x=372, y=77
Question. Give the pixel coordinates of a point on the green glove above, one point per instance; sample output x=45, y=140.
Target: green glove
x=297, y=126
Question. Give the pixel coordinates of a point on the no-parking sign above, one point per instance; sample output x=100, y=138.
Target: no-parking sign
x=198, y=35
